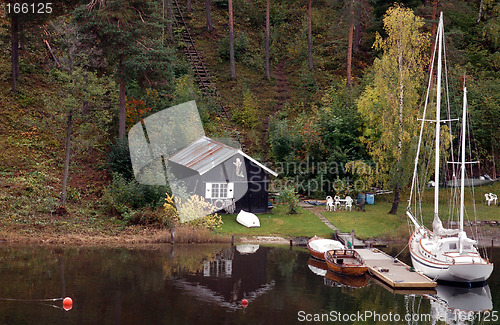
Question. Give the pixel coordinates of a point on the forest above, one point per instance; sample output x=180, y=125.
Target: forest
x=310, y=83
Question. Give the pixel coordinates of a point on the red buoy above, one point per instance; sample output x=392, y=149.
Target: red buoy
x=67, y=303
x=244, y=302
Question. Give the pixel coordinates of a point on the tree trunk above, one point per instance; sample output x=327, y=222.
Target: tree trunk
x=170, y=35
x=188, y=7
x=15, y=50
x=493, y=159
x=231, y=40
x=397, y=188
x=66, y=160
x=480, y=12
x=395, y=202
x=309, y=34
x=357, y=38
x=122, y=128
x=349, y=55
x=268, y=75
x=210, y=27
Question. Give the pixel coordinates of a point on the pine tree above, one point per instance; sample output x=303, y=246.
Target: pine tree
x=128, y=36
x=210, y=27
x=23, y=14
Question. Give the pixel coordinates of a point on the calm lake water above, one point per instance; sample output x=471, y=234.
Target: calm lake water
x=205, y=284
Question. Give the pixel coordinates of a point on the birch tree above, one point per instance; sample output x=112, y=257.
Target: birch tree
x=127, y=36
x=390, y=103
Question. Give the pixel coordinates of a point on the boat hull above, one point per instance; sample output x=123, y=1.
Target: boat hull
x=351, y=265
x=319, y=246
x=450, y=272
x=469, y=182
x=248, y=219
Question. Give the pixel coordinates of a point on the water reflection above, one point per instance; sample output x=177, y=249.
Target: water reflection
x=247, y=248
x=204, y=284
x=332, y=279
x=458, y=305
x=231, y=275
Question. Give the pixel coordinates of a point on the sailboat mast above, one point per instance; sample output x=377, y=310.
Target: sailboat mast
x=438, y=115
x=462, y=180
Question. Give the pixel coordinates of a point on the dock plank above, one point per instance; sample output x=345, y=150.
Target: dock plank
x=393, y=272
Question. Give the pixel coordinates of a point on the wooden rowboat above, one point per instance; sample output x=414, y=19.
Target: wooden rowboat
x=345, y=261
x=319, y=246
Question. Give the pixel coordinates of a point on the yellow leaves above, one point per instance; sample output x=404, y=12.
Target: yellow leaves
x=195, y=211
x=389, y=102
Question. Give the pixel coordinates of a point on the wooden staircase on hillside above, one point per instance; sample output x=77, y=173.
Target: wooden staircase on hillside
x=198, y=65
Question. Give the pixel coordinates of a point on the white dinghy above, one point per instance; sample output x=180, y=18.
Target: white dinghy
x=248, y=219
x=319, y=246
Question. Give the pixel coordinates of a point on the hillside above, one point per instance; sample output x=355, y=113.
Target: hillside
x=299, y=114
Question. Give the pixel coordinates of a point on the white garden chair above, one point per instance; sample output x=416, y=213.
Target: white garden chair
x=337, y=201
x=488, y=198
x=348, y=203
x=330, y=206
x=494, y=198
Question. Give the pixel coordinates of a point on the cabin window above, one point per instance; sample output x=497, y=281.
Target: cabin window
x=219, y=191
x=453, y=245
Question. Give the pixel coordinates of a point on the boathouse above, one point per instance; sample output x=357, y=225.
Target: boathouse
x=223, y=175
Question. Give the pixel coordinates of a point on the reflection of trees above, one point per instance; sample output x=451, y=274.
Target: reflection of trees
x=185, y=259
x=286, y=263
x=103, y=282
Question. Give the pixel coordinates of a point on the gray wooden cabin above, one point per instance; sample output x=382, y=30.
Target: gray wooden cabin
x=223, y=175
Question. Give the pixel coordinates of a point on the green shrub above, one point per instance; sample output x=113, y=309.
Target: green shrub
x=123, y=197
x=223, y=4
x=148, y=216
x=246, y=114
x=72, y=194
x=240, y=46
x=119, y=159
x=290, y=198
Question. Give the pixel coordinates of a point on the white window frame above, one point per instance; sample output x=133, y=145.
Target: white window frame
x=213, y=191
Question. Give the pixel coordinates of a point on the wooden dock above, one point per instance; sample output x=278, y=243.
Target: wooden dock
x=394, y=273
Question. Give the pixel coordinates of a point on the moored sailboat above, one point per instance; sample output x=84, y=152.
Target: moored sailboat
x=444, y=254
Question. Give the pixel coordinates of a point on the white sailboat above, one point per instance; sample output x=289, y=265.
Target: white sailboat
x=444, y=254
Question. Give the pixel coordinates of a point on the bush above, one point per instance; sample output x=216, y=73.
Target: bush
x=290, y=198
x=123, y=197
x=119, y=159
x=196, y=212
x=240, y=46
x=246, y=114
x=148, y=216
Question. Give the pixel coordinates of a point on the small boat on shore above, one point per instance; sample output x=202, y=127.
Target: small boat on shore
x=345, y=261
x=319, y=246
x=248, y=219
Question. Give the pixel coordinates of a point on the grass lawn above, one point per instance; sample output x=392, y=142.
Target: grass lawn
x=376, y=222
x=279, y=223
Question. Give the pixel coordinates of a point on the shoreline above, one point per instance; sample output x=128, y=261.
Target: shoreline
x=163, y=236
